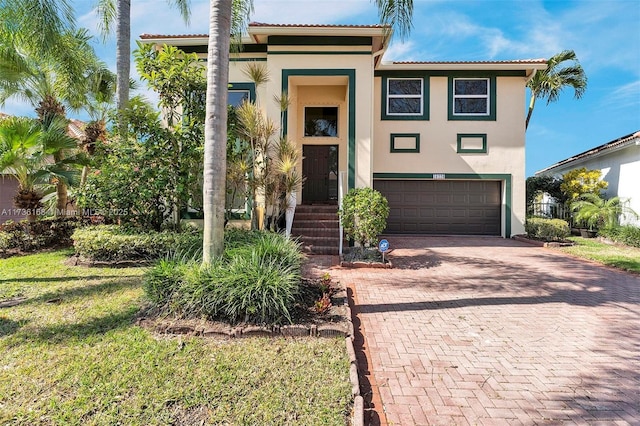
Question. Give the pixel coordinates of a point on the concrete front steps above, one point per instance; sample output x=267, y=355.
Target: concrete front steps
x=318, y=228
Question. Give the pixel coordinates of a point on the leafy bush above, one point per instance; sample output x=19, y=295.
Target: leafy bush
x=547, y=229
x=364, y=215
x=115, y=243
x=257, y=280
x=38, y=235
x=628, y=234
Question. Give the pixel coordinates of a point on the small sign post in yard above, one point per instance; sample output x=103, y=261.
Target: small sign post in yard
x=383, y=246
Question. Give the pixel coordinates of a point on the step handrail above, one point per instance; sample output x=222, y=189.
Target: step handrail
x=341, y=191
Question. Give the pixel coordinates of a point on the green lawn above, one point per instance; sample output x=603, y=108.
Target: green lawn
x=70, y=354
x=618, y=256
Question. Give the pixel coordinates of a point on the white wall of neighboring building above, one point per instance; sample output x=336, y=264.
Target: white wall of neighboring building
x=620, y=169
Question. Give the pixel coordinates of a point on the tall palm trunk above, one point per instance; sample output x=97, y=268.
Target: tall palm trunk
x=215, y=133
x=123, y=59
x=532, y=104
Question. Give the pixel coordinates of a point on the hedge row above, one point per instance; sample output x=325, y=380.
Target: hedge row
x=115, y=243
x=628, y=234
x=39, y=235
x=547, y=229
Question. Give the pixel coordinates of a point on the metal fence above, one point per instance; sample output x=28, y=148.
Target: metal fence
x=549, y=210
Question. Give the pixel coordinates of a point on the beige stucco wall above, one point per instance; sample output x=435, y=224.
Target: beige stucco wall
x=438, y=141
x=438, y=136
x=329, y=90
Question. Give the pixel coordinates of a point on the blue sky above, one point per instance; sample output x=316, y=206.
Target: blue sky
x=604, y=34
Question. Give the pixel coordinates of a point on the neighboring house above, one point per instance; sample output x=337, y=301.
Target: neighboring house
x=9, y=186
x=619, y=162
x=443, y=141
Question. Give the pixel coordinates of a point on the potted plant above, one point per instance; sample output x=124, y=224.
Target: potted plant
x=594, y=211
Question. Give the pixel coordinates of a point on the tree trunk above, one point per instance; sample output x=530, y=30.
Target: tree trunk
x=61, y=200
x=123, y=59
x=532, y=104
x=215, y=132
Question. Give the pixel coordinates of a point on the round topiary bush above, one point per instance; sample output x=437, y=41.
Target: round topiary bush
x=364, y=215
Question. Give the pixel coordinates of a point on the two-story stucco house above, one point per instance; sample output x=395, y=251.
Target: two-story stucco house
x=443, y=141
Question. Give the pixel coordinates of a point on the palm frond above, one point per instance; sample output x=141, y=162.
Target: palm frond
x=398, y=14
x=107, y=14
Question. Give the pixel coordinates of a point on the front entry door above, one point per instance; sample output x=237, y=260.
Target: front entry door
x=320, y=169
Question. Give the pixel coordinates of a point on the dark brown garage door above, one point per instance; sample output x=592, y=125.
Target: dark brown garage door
x=442, y=206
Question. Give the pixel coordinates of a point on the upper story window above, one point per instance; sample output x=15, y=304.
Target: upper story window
x=404, y=98
x=321, y=121
x=472, y=98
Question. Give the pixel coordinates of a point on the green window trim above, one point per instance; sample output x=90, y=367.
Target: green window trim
x=393, y=137
x=461, y=150
x=491, y=116
x=251, y=87
x=505, y=178
x=350, y=73
x=286, y=40
x=424, y=116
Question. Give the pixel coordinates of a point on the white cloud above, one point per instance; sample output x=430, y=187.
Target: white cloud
x=402, y=51
x=625, y=96
x=309, y=11
x=18, y=107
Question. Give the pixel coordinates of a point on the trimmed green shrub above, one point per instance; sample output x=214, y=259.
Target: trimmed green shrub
x=364, y=215
x=39, y=235
x=627, y=234
x=115, y=243
x=257, y=280
x=547, y=229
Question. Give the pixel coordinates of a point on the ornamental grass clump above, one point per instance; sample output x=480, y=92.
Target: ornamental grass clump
x=257, y=280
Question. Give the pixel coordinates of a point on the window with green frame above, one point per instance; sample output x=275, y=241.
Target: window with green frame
x=472, y=98
x=404, y=98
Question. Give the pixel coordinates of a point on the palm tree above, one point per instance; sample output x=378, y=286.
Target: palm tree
x=37, y=25
x=550, y=82
x=120, y=12
x=228, y=17
x=77, y=79
x=596, y=212
x=27, y=153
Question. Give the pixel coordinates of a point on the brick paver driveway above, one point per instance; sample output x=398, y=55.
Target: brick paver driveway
x=471, y=330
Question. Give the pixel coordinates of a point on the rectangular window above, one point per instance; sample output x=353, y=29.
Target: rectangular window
x=321, y=121
x=405, y=96
x=471, y=96
x=236, y=97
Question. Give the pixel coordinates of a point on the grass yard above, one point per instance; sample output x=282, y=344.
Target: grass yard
x=70, y=354
x=618, y=256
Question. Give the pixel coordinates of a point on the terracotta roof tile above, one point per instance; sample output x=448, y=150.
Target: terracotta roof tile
x=263, y=24
x=516, y=61
x=152, y=36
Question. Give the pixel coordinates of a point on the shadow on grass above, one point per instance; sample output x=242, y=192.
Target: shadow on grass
x=62, y=279
x=87, y=290
x=59, y=333
x=9, y=327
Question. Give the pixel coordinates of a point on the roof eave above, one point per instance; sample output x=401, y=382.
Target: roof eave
x=596, y=152
x=464, y=66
